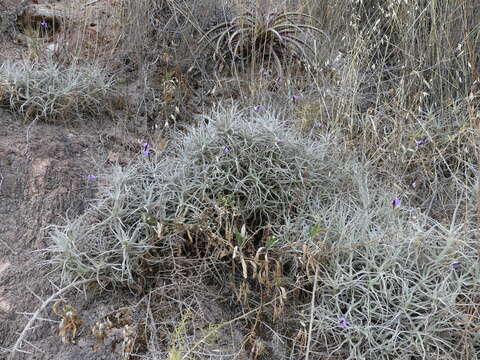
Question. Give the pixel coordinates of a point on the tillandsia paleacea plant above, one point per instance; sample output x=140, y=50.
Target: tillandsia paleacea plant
x=263, y=36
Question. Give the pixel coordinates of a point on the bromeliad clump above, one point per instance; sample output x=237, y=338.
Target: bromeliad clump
x=235, y=172
x=263, y=37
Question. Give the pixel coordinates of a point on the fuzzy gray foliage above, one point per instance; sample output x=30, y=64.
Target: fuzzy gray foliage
x=392, y=283
x=268, y=171
x=52, y=93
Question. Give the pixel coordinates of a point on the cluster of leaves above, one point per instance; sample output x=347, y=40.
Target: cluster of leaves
x=391, y=288
x=52, y=93
x=263, y=36
x=258, y=171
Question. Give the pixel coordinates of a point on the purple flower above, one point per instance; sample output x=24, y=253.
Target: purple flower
x=343, y=322
x=317, y=124
x=396, y=202
x=91, y=177
x=226, y=150
x=456, y=265
x=421, y=142
x=295, y=98
x=146, y=149
x=44, y=23
x=259, y=108
x=413, y=184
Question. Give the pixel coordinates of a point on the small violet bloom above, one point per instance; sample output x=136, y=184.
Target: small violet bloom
x=91, y=177
x=343, y=322
x=421, y=142
x=226, y=150
x=44, y=23
x=146, y=149
x=456, y=265
x=396, y=202
x=295, y=98
x=259, y=108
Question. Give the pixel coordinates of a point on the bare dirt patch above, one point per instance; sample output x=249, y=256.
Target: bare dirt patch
x=44, y=176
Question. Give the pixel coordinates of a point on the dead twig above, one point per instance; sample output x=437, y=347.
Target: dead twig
x=312, y=309
x=18, y=343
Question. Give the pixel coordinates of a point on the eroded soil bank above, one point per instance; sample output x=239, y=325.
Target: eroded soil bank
x=43, y=177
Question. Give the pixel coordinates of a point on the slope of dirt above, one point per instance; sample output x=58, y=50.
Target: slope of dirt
x=43, y=176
